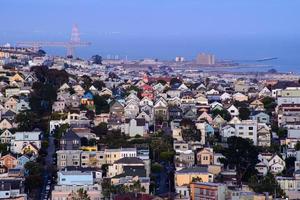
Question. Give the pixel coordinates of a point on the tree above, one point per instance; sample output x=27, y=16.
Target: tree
x=106, y=188
x=84, y=141
x=96, y=59
x=192, y=134
x=41, y=52
x=244, y=113
x=163, y=82
x=3, y=148
x=81, y=194
x=60, y=130
x=99, y=84
x=101, y=104
x=26, y=121
x=282, y=132
x=297, y=146
x=42, y=97
x=87, y=82
x=90, y=114
x=167, y=155
x=197, y=179
x=101, y=129
x=156, y=168
x=34, y=179
x=267, y=183
x=269, y=104
x=241, y=154
x=175, y=81
x=223, y=113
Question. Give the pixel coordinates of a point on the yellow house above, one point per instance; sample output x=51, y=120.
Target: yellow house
x=188, y=175
x=30, y=149
x=17, y=77
x=112, y=155
x=205, y=156
x=89, y=148
x=128, y=162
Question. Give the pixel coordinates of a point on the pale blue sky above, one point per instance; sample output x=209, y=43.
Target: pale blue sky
x=231, y=29
x=152, y=17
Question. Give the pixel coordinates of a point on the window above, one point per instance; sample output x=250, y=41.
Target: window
x=250, y=133
x=251, y=128
x=241, y=127
x=241, y=133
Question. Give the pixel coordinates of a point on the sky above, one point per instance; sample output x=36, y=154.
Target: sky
x=157, y=18
x=233, y=29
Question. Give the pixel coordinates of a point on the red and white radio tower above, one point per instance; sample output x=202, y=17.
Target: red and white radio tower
x=70, y=46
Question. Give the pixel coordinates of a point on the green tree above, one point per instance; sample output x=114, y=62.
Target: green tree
x=101, y=104
x=175, y=81
x=269, y=104
x=267, y=183
x=167, y=156
x=241, y=154
x=192, y=134
x=282, y=132
x=34, y=179
x=87, y=82
x=81, y=194
x=26, y=121
x=4, y=148
x=107, y=188
x=156, y=168
x=197, y=179
x=60, y=130
x=101, y=129
x=223, y=113
x=244, y=113
x=96, y=59
x=98, y=84
x=297, y=146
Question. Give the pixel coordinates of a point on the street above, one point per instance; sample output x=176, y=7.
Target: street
x=47, y=176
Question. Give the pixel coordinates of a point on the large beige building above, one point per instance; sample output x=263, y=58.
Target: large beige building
x=205, y=59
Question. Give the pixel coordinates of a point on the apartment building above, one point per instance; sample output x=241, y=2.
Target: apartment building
x=247, y=129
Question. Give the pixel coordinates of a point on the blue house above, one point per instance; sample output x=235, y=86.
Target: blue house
x=209, y=130
x=87, y=99
x=261, y=117
x=88, y=95
x=21, y=161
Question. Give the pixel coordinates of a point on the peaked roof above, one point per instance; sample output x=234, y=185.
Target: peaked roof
x=70, y=135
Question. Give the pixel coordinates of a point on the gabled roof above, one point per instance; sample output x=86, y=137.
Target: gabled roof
x=133, y=171
x=70, y=135
x=195, y=169
x=129, y=160
x=139, y=121
x=92, y=88
x=88, y=95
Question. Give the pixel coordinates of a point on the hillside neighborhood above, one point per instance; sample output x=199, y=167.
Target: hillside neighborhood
x=110, y=129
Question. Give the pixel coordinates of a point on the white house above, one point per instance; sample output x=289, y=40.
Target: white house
x=137, y=126
x=247, y=129
x=233, y=111
x=22, y=139
x=273, y=162
x=225, y=96
x=227, y=131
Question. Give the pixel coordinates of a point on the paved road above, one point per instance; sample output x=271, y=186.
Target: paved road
x=165, y=182
x=46, y=190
